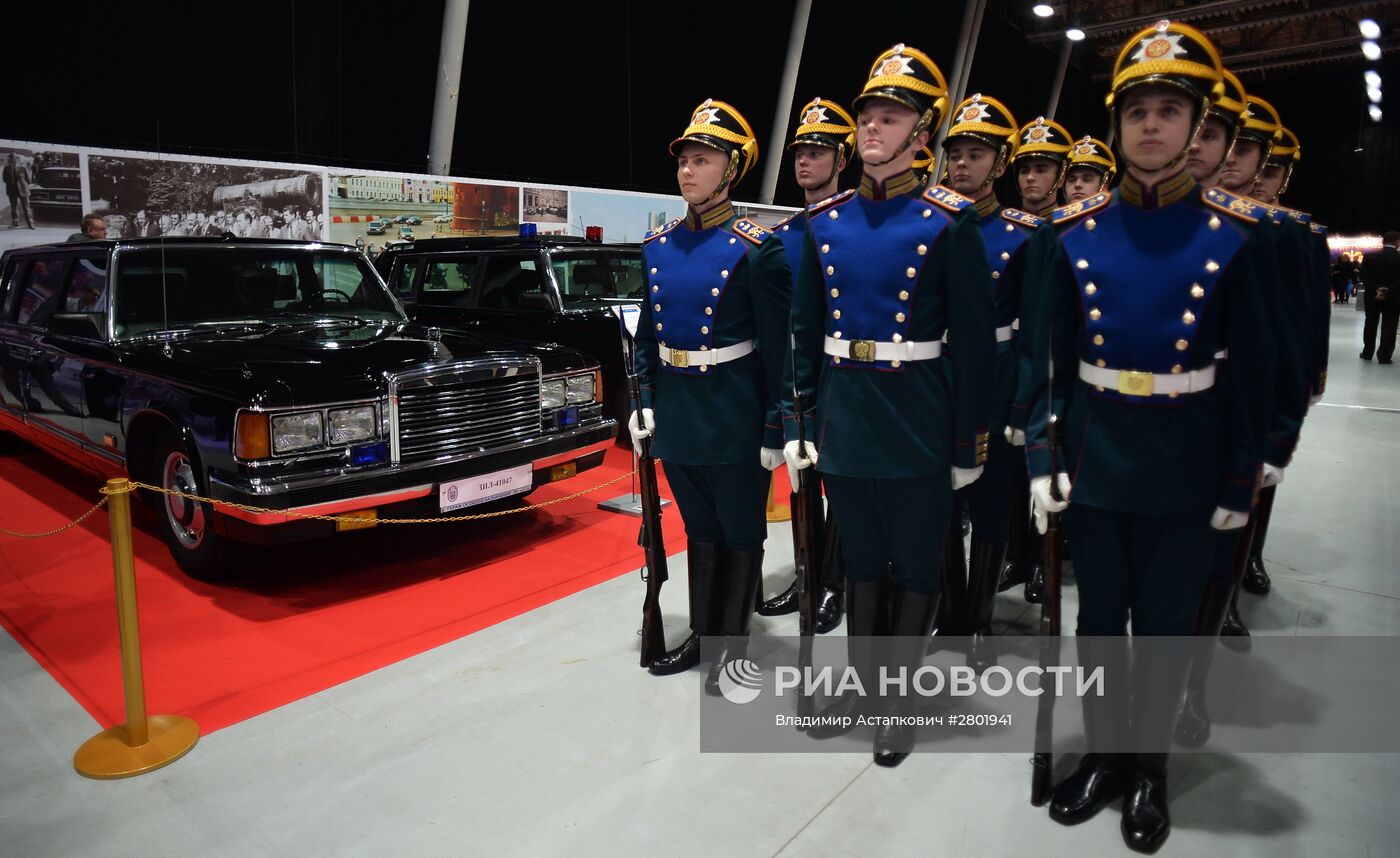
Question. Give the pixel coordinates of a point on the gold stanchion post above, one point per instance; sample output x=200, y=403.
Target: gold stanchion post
x=142, y=744
x=777, y=511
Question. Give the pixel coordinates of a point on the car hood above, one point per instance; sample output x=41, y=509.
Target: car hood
x=301, y=364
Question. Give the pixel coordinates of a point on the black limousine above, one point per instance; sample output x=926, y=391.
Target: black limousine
x=279, y=375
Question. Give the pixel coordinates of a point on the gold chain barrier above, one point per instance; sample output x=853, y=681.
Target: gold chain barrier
x=350, y=519
x=141, y=744
x=145, y=743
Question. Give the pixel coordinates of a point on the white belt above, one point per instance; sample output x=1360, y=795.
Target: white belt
x=1222, y=354
x=1004, y=333
x=709, y=357
x=868, y=351
x=1131, y=383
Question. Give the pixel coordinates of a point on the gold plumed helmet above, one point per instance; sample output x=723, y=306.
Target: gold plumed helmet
x=1171, y=53
x=906, y=75
x=1262, y=125
x=1094, y=153
x=983, y=118
x=1232, y=105
x=825, y=123
x=1043, y=138
x=925, y=163
x=720, y=126
x=1286, y=154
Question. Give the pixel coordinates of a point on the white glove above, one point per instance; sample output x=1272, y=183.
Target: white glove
x=796, y=461
x=638, y=432
x=1228, y=519
x=1015, y=437
x=1042, y=504
x=1272, y=476
x=965, y=476
x=771, y=458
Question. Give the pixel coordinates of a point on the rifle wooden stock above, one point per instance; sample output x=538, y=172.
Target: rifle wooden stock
x=1042, y=764
x=653, y=544
x=807, y=518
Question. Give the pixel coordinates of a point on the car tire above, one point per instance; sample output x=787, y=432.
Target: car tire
x=187, y=525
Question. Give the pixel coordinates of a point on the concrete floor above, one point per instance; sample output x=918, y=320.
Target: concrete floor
x=541, y=736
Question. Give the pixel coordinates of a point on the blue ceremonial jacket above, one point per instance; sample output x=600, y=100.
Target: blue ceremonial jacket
x=712, y=282
x=894, y=263
x=1153, y=280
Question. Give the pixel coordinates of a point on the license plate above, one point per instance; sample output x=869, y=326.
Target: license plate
x=487, y=487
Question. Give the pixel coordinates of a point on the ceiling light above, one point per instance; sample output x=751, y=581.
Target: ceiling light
x=1373, y=94
x=1375, y=113
x=1043, y=10
x=1371, y=50
x=1373, y=78
x=1074, y=34
x=1369, y=29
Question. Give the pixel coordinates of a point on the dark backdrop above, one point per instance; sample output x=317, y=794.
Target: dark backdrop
x=584, y=93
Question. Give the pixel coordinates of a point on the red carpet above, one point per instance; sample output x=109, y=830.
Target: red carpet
x=309, y=617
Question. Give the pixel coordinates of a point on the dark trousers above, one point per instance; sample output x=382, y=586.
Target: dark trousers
x=893, y=526
x=1386, y=316
x=1150, y=568
x=989, y=499
x=722, y=503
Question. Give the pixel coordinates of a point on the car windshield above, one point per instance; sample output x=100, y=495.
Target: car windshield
x=599, y=277
x=193, y=287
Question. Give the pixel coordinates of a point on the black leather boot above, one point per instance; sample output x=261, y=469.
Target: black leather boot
x=867, y=633
x=784, y=603
x=1016, y=570
x=833, y=598
x=1035, y=554
x=952, y=609
x=1256, y=577
x=1102, y=773
x=910, y=624
x=1233, y=633
x=1146, y=822
x=705, y=562
x=1193, y=724
x=829, y=610
x=736, y=614
x=984, y=570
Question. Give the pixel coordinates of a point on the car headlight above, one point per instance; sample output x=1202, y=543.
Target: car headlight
x=553, y=393
x=348, y=425
x=296, y=432
x=582, y=388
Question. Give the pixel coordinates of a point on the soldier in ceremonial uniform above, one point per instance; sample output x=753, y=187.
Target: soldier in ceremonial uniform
x=1091, y=169
x=1042, y=159
x=1141, y=289
x=980, y=144
x=711, y=342
x=1229, y=151
x=887, y=271
x=1271, y=184
x=1040, y=163
x=822, y=147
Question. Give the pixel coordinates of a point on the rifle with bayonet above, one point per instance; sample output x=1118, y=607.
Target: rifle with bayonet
x=652, y=542
x=1042, y=762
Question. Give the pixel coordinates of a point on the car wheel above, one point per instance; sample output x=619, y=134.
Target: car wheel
x=188, y=525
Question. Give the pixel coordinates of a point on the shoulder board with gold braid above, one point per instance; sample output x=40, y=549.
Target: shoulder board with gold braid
x=1317, y=228
x=947, y=198
x=1065, y=214
x=1023, y=218
x=789, y=219
x=827, y=203
x=660, y=230
x=752, y=231
x=1300, y=217
x=1234, y=205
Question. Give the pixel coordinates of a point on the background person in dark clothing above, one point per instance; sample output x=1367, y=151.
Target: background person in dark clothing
x=1380, y=272
x=93, y=228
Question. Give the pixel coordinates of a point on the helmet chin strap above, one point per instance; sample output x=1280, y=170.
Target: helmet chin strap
x=728, y=176
x=1002, y=153
x=908, y=141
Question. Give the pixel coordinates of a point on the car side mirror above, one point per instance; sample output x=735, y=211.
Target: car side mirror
x=537, y=301
x=86, y=325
